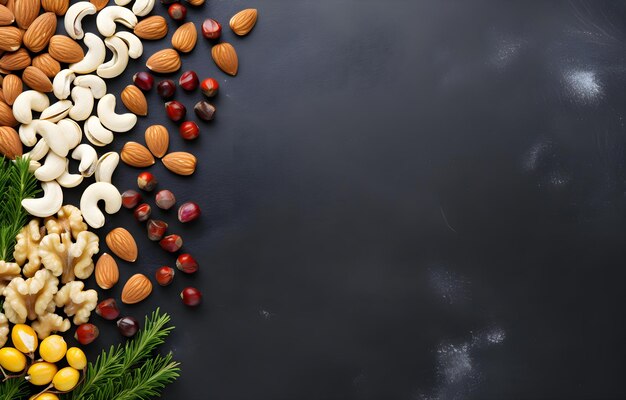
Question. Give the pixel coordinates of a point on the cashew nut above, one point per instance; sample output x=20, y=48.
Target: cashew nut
x=97, y=134
x=61, y=83
x=118, y=62
x=52, y=168
x=26, y=103
x=53, y=135
x=57, y=111
x=111, y=120
x=71, y=131
x=28, y=134
x=108, y=16
x=122, y=2
x=68, y=180
x=106, y=166
x=38, y=152
x=94, y=57
x=83, y=103
x=88, y=159
x=95, y=83
x=32, y=166
x=47, y=205
x=143, y=7
x=135, y=48
x=89, y=202
x=74, y=17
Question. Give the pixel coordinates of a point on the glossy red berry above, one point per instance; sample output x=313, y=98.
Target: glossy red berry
x=209, y=87
x=177, y=11
x=166, y=88
x=146, y=181
x=191, y=296
x=156, y=229
x=86, y=333
x=211, y=29
x=171, y=243
x=130, y=199
x=127, y=326
x=189, y=130
x=108, y=309
x=189, y=80
x=143, y=80
x=165, y=275
x=188, y=212
x=165, y=199
x=204, y=110
x=186, y=263
x=175, y=110
x=142, y=212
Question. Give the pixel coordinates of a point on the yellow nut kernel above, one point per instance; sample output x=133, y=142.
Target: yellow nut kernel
x=44, y=396
x=24, y=338
x=12, y=360
x=53, y=348
x=41, y=373
x=76, y=358
x=66, y=379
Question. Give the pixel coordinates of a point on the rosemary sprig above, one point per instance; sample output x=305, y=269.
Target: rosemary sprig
x=13, y=389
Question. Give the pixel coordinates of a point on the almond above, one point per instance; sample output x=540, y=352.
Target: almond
x=164, y=61
x=10, y=144
x=47, y=65
x=134, y=100
x=185, y=37
x=151, y=28
x=40, y=31
x=180, y=162
x=6, y=115
x=122, y=244
x=65, y=50
x=243, y=22
x=225, y=58
x=100, y=4
x=136, y=155
x=35, y=79
x=59, y=7
x=10, y=38
x=195, y=3
x=157, y=139
x=25, y=12
x=2, y=96
x=11, y=88
x=15, y=61
x=10, y=4
x=107, y=273
x=6, y=16
x=136, y=289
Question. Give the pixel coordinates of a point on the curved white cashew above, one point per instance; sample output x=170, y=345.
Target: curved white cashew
x=57, y=111
x=52, y=168
x=88, y=159
x=32, y=166
x=118, y=62
x=26, y=103
x=135, y=48
x=94, y=57
x=108, y=16
x=83, y=103
x=74, y=17
x=68, y=180
x=122, y=2
x=61, y=83
x=71, y=131
x=95, y=83
x=28, y=134
x=47, y=205
x=97, y=134
x=53, y=135
x=38, y=152
x=106, y=166
x=89, y=202
x=143, y=7
x=111, y=120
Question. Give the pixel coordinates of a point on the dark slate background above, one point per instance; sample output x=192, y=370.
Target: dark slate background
x=402, y=200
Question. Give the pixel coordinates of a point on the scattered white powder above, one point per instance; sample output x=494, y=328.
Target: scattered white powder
x=451, y=286
x=583, y=85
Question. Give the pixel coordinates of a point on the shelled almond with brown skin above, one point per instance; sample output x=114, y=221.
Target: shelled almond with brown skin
x=134, y=100
x=243, y=22
x=10, y=38
x=157, y=140
x=35, y=79
x=6, y=16
x=11, y=88
x=195, y=3
x=136, y=289
x=40, y=31
x=6, y=115
x=225, y=58
x=59, y=7
x=47, y=65
x=10, y=143
x=107, y=273
x=185, y=37
x=180, y=162
x=122, y=244
x=63, y=49
x=15, y=61
x=25, y=12
x=164, y=61
x=151, y=28
x=136, y=155
x=100, y=4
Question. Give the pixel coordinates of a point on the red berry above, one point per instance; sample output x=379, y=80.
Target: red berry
x=130, y=199
x=86, y=333
x=165, y=275
x=211, y=29
x=146, y=181
x=204, y=110
x=165, y=199
x=171, y=243
x=108, y=309
x=186, y=263
x=177, y=11
x=156, y=229
x=166, y=88
x=128, y=326
x=191, y=296
x=188, y=80
x=175, y=110
x=142, y=212
x=189, y=130
x=209, y=87
x=143, y=80
x=188, y=211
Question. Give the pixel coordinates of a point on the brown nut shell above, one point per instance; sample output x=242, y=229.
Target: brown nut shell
x=10, y=38
x=136, y=155
x=38, y=34
x=47, y=65
x=107, y=273
x=164, y=61
x=157, y=139
x=135, y=100
x=180, y=162
x=63, y=49
x=136, y=289
x=225, y=58
x=11, y=88
x=6, y=115
x=151, y=28
x=185, y=37
x=35, y=79
x=122, y=244
x=25, y=12
x=243, y=22
x=10, y=143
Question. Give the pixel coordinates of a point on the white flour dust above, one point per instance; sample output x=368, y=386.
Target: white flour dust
x=452, y=287
x=584, y=86
x=506, y=51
